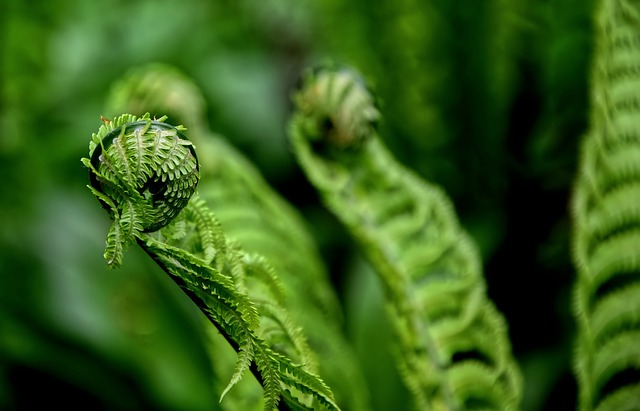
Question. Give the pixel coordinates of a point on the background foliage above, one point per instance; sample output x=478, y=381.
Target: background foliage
x=486, y=98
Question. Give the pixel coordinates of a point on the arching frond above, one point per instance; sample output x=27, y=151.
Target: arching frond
x=453, y=344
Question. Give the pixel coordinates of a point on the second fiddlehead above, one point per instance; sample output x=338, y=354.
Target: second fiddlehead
x=453, y=348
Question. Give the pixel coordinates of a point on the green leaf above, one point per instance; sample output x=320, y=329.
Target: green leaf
x=606, y=218
x=429, y=267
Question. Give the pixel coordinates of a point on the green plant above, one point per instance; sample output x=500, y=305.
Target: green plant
x=260, y=220
x=453, y=350
x=137, y=165
x=607, y=220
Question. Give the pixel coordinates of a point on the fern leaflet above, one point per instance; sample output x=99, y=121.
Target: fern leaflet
x=606, y=219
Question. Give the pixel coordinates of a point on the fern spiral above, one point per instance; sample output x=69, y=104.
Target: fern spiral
x=338, y=110
x=261, y=221
x=453, y=349
x=144, y=172
x=606, y=211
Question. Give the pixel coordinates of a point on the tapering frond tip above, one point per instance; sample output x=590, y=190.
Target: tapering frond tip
x=245, y=356
x=115, y=245
x=335, y=106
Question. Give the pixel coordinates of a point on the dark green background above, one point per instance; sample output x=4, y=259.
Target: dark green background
x=487, y=98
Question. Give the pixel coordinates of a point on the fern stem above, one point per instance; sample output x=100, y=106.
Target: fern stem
x=199, y=302
x=202, y=305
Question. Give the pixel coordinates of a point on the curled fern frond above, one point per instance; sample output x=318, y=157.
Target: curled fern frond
x=606, y=219
x=144, y=172
x=337, y=109
x=453, y=347
x=281, y=262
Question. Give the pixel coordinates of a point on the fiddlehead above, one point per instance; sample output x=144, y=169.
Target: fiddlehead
x=258, y=219
x=453, y=348
x=467, y=49
x=606, y=211
x=144, y=172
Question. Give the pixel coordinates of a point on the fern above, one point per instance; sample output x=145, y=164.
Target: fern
x=264, y=223
x=144, y=172
x=606, y=211
x=437, y=58
x=274, y=326
x=261, y=221
x=454, y=350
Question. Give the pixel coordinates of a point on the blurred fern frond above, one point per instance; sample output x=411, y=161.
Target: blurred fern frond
x=606, y=212
x=453, y=347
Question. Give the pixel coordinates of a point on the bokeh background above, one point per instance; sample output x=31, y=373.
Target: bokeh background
x=488, y=98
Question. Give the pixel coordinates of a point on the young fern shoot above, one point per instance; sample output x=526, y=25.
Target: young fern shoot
x=145, y=172
x=453, y=349
x=606, y=219
x=261, y=221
